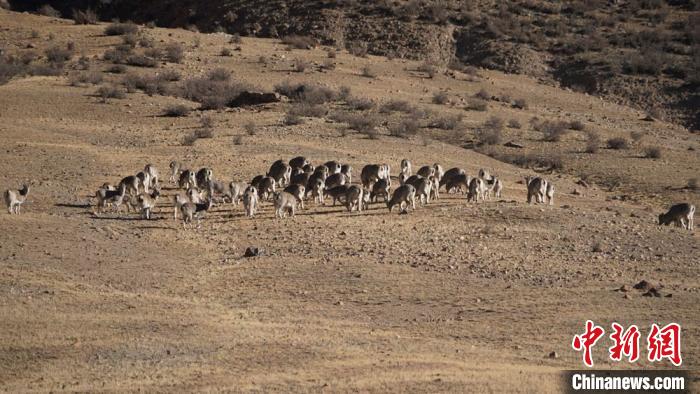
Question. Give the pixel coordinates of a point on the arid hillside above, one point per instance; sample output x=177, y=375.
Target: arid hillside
x=453, y=296
x=642, y=53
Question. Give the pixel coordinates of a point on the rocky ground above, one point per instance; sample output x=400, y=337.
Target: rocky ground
x=450, y=297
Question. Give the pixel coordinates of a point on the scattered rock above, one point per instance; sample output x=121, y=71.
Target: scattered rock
x=652, y=293
x=553, y=355
x=511, y=144
x=643, y=285
x=252, y=251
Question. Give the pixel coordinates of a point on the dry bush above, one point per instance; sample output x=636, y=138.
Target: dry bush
x=475, y=104
x=360, y=103
x=360, y=122
x=491, y=133
x=428, y=68
x=118, y=54
x=108, y=92
x=441, y=98
x=174, y=52
x=368, y=72
x=618, y=143
x=87, y=17
x=514, y=124
x=169, y=75
x=237, y=140
x=130, y=40
x=592, y=142
x=118, y=29
x=47, y=10
x=520, y=104
x=206, y=122
x=299, y=42
x=577, y=125
x=307, y=110
x=306, y=93
x=532, y=161
x=206, y=132
x=439, y=13
x=212, y=94
x=358, y=48
x=405, y=128
x=148, y=84
x=553, y=131
x=189, y=139
x=58, y=55
x=292, y=119
x=396, y=106
x=446, y=121
x=235, y=39
x=225, y=52
x=219, y=74
x=137, y=60
x=177, y=111
x=483, y=95
x=117, y=69
x=11, y=67
x=652, y=152
x=300, y=65
x=249, y=128
x=692, y=184
x=344, y=92
x=85, y=77
x=331, y=53
x=328, y=64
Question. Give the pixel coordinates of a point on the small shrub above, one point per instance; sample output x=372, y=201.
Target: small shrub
x=405, y=128
x=219, y=74
x=447, y=122
x=177, y=111
x=207, y=122
x=475, y=104
x=491, y=133
x=440, y=98
x=117, y=69
x=592, y=142
x=344, y=92
x=358, y=48
x=328, y=64
x=520, y=104
x=174, y=52
x=483, y=95
x=652, y=152
x=597, y=247
x=577, y=125
x=86, y=77
x=331, y=53
x=368, y=72
x=617, y=143
x=118, y=29
x=118, y=55
x=514, y=124
x=359, y=122
x=107, y=92
x=429, y=69
x=307, y=110
x=154, y=53
x=249, y=128
x=58, y=55
x=47, y=10
x=141, y=61
x=292, y=119
x=237, y=140
x=307, y=93
x=299, y=42
x=372, y=134
x=146, y=42
x=87, y=17
x=360, y=103
x=235, y=39
x=300, y=65
x=553, y=131
x=204, y=133
x=226, y=52
x=130, y=40
x=169, y=75
x=396, y=106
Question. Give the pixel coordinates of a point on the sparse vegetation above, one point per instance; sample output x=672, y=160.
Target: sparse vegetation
x=141, y=61
x=441, y=98
x=652, y=152
x=514, y=124
x=174, y=52
x=491, y=133
x=577, y=125
x=85, y=77
x=693, y=184
x=219, y=74
x=109, y=91
x=86, y=17
x=553, y=131
x=368, y=72
x=307, y=110
x=592, y=142
x=520, y=104
x=58, y=55
x=249, y=128
x=358, y=48
x=618, y=143
x=446, y=121
x=475, y=104
x=483, y=95
x=405, y=128
x=307, y=93
x=237, y=140
x=47, y=10
x=429, y=69
x=300, y=65
x=636, y=136
x=118, y=29
x=177, y=111
x=360, y=103
x=226, y=52
x=396, y=106
x=299, y=42
x=211, y=94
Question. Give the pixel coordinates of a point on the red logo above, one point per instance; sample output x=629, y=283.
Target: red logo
x=665, y=343
x=626, y=344
x=587, y=340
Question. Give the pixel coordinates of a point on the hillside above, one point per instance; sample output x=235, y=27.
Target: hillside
x=450, y=297
x=640, y=53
